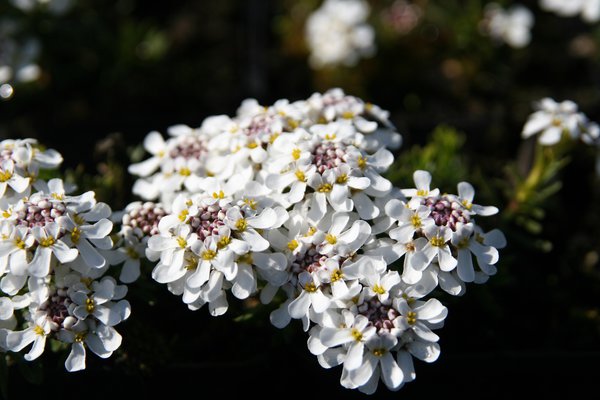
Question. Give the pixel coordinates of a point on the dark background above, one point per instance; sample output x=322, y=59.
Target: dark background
x=115, y=70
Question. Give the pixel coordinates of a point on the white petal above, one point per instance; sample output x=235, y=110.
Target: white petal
x=446, y=260
x=405, y=362
x=354, y=358
x=144, y=168
x=280, y=318
x=99, y=230
x=298, y=308
x=76, y=359
x=466, y=191
x=536, y=122
x=18, y=340
x=264, y=220
x=90, y=255
x=425, y=351
x=332, y=337
x=364, y=206
x=245, y=282
x=255, y=240
x=40, y=265
x=422, y=179
x=37, y=349
x=551, y=135
x=465, y=269
x=391, y=374
x=320, y=302
x=331, y=358
x=425, y=333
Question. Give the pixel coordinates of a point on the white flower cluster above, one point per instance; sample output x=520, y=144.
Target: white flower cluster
x=588, y=9
x=51, y=262
x=337, y=33
x=289, y=200
x=512, y=26
x=552, y=121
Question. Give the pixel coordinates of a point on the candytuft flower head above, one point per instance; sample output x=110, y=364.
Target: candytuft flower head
x=289, y=202
x=52, y=255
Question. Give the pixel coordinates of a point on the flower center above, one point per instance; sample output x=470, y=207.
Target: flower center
x=310, y=261
x=380, y=316
x=146, y=218
x=328, y=155
x=40, y=213
x=189, y=147
x=208, y=220
x=57, y=307
x=447, y=212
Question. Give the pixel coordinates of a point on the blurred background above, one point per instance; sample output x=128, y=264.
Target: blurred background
x=92, y=78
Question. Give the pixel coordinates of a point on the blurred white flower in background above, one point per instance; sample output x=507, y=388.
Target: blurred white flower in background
x=589, y=9
x=511, y=26
x=338, y=34
x=53, y=6
x=17, y=58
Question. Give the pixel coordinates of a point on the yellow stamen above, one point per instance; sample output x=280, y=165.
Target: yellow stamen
x=422, y=192
x=181, y=242
x=223, y=242
x=296, y=154
x=437, y=241
x=467, y=205
x=293, y=245
x=246, y=259
x=250, y=203
x=415, y=220
x=362, y=162
x=310, y=287
x=311, y=231
x=356, y=334
x=331, y=239
x=208, y=255
x=411, y=317
x=185, y=171
x=325, y=188
x=5, y=176
x=218, y=195
x=252, y=145
x=377, y=288
x=47, y=242
x=75, y=235
x=347, y=115
x=273, y=137
x=300, y=176
x=39, y=330
x=80, y=337
x=20, y=243
x=330, y=136
x=89, y=305
x=336, y=275
x=241, y=224
x=191, y=262
x=183, y=215
x=343, y=178
x=379, y=352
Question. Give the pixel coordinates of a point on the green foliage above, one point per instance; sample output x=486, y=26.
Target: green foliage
x=442, y=156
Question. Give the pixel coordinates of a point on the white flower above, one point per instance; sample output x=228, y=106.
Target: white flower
x=103, y=340
x=552, y=120
x=512, y=26
x=36, y=334
x=8, y=178
x=437, y=248
x=422, y=182
x=311, y=297
x=352, y=333
x=337, y=33
x=589, y=9
x=378, y=362
x=420, y=317
x=336, y=240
